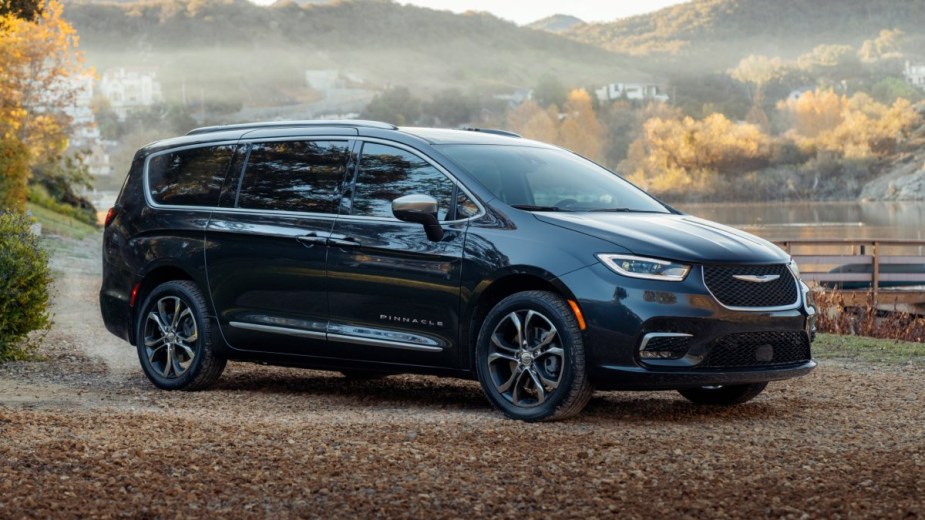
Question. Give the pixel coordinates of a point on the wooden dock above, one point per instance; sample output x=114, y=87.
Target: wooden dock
x=887, y=274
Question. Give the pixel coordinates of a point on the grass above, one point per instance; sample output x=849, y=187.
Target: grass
x=61, y=225
x=868, y=350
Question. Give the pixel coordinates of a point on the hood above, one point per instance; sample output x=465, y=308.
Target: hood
x=672, y=237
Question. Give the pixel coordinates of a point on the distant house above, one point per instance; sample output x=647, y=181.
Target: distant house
x=130, y=89
x=633, y=91
x=516, y=97
x=915, y=75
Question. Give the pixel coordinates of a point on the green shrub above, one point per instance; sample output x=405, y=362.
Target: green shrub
x=24, y=280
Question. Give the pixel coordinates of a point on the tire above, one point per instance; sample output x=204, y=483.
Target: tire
x=723, y=395
x=174, y=338
x=544, y=378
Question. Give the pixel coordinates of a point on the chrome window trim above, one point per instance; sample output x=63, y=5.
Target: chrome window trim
x=147, y=168
x=790, y=306
x=245, y=211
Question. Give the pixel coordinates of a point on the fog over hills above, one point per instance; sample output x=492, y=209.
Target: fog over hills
x=235, y=50
x=720, y=32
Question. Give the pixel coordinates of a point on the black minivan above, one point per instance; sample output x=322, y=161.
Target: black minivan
x=369, y=249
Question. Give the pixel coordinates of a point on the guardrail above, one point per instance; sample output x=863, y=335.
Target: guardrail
x=885, y=273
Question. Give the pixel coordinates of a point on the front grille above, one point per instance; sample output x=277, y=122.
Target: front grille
x=733, y=292
x=755, y=349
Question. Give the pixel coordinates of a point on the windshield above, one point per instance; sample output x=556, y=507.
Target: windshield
x=548, y=179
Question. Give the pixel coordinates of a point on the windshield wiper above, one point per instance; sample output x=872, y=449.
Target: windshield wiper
x=623, y=210
x=530, y=207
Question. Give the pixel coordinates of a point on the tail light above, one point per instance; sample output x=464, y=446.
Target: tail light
x=110, y=216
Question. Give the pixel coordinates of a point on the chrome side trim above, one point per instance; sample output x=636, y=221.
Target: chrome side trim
x=278, y=330
x=652, y=335
x=340, y=338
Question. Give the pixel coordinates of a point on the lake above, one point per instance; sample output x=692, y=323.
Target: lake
x=791, y=220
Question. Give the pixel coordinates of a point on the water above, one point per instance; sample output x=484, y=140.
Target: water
x=820, y=220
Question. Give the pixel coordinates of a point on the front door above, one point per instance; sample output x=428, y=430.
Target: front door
x=394, y=294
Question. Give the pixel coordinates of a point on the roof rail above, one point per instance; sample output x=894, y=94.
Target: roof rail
x=492, y=131
x=293, y=124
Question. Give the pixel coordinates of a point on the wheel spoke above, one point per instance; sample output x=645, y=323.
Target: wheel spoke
x=540, y=390
x=168, y=363
x=153, y=316
x=546, y=340
x=504, y=387
x=152, y=342
x=552, y=351
x=499, y=342
x=518, y=326
x=495, y=356
x=519, y=387
x=547, y=384
x=177, y=305
x=189, y=351
x=153, y=352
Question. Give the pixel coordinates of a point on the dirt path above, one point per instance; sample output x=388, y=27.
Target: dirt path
x=83, y=434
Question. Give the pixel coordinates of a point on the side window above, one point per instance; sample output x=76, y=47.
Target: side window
x=387, y=172
x=294, y=176
x=191, y=177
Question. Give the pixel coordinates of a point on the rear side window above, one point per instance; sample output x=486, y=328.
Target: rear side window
x=387, y=173
x=294, y=176
x=191, y=177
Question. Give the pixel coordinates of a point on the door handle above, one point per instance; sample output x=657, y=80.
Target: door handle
x=343, y=241
x=311, y=239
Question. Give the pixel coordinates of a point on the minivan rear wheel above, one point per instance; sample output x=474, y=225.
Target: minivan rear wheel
x=174, y=338
x=530, y=358
x=723, y=395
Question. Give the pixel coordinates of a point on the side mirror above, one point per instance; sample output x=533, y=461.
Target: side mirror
x=421, y=209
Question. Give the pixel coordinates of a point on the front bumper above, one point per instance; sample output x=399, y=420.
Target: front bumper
x=718, y=345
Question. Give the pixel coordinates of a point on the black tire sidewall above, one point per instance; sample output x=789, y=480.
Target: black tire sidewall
x=192, y=298
x=537, y=301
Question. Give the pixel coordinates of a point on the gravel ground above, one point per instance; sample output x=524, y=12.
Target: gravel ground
x=83, y=434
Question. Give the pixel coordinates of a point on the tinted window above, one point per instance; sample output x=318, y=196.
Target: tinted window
x=387, y=173
x=191, y=177
x=549, y=177
x=294, y=176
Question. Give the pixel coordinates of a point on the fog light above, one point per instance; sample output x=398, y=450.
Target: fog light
x=664, y=345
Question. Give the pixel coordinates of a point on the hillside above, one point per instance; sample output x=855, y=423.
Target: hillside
x=719, y=32
x=233, y=50
x=557, y=23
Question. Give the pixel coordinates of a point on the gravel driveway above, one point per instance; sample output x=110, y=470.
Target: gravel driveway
x=83, y=434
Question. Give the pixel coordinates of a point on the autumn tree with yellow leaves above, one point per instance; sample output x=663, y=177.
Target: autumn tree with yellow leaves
x=38, y=58
x=575, y=126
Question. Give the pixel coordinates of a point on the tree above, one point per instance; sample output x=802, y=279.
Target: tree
x=550, y=91
x=534, y=122
x=580, y=130
x=396, y=105
x=758, y=71
x=24, y=9
x=39, y=63
x=887, y=45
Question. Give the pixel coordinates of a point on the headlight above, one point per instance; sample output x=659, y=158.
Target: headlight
x=648, y=268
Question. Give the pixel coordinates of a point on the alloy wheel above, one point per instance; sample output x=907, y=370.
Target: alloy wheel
x=525, y=359
x=171, y=336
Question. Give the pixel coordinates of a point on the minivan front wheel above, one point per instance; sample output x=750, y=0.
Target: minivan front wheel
x=174, y=338
x=530, y=358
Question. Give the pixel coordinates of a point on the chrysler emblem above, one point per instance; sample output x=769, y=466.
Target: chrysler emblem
x=756, y=278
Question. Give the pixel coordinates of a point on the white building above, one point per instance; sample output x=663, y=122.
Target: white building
x=130, y=89
x=915, y=74
x=632, y=91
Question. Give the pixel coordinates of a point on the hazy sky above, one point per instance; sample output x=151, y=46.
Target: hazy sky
x=526, y=11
